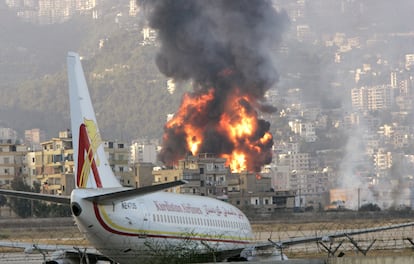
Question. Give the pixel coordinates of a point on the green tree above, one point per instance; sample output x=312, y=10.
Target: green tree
x=26, y=208
x=3, y=202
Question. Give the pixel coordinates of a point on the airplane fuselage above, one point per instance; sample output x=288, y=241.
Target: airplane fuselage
x=159, y=223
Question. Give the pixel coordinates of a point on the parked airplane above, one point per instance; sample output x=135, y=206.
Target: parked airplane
x=145, y=224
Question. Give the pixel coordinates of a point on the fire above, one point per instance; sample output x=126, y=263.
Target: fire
x=230, y=71
x=191, y=108
x=236, y=161
x=236, y=127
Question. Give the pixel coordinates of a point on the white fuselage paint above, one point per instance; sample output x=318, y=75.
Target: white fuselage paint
x=149, y=224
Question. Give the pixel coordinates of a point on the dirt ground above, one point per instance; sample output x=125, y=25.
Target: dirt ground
x=64, y=231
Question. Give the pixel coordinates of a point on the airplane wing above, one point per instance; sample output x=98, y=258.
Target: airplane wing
x=60, y=253
x=108, y=194
x=37, y=196
x=33, y=247
x=328, y=237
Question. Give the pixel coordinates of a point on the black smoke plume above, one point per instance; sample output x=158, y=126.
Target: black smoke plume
x=222, y=45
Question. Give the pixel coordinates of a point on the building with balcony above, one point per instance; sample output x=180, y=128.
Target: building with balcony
x=380, y=97
x=55, y=166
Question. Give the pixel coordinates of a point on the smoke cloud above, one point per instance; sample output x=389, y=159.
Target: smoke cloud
x=219, y=45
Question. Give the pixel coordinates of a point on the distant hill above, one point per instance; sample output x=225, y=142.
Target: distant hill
x=129, y=94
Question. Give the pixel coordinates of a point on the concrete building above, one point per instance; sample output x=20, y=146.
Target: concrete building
x=55, y=165
x=382, y=159
x=305, y=130
x=143, y=151
x=33, y=137
x=163, y=176
x=12, y=162
x=206, y=174
x=117, y=153
x=253, y=193
x=142, y=175
x=8, y=134
x=380, y=97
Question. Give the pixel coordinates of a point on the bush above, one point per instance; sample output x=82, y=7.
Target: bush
x=369, y=208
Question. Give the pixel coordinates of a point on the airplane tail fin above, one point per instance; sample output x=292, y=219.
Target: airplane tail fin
x=92, y=169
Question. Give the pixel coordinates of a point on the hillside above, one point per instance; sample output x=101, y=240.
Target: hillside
x=129, y=93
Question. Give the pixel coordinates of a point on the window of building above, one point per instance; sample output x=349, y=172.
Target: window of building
x=120, y=145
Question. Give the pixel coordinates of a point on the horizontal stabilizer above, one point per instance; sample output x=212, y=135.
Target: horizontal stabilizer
x=36, y=196
x=125, y=194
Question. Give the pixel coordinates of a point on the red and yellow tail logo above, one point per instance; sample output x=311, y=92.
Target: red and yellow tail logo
x=89, y=141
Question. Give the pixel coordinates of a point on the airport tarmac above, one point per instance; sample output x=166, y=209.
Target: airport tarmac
x=20, y=258
x=60, y=230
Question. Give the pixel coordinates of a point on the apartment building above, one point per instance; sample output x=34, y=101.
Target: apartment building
x=253, y=193
x=118, y=153
x=206, y=175
x=162, y=176
x=55, y=166
x=12, y=162
x=33, y=137
x=8, y=134
x=379, y=97
x=142, y=175
x=143, y=151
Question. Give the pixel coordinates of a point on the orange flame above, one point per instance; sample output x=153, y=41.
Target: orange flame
x=238, y=123
x=235, y=127
x=194, y=105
